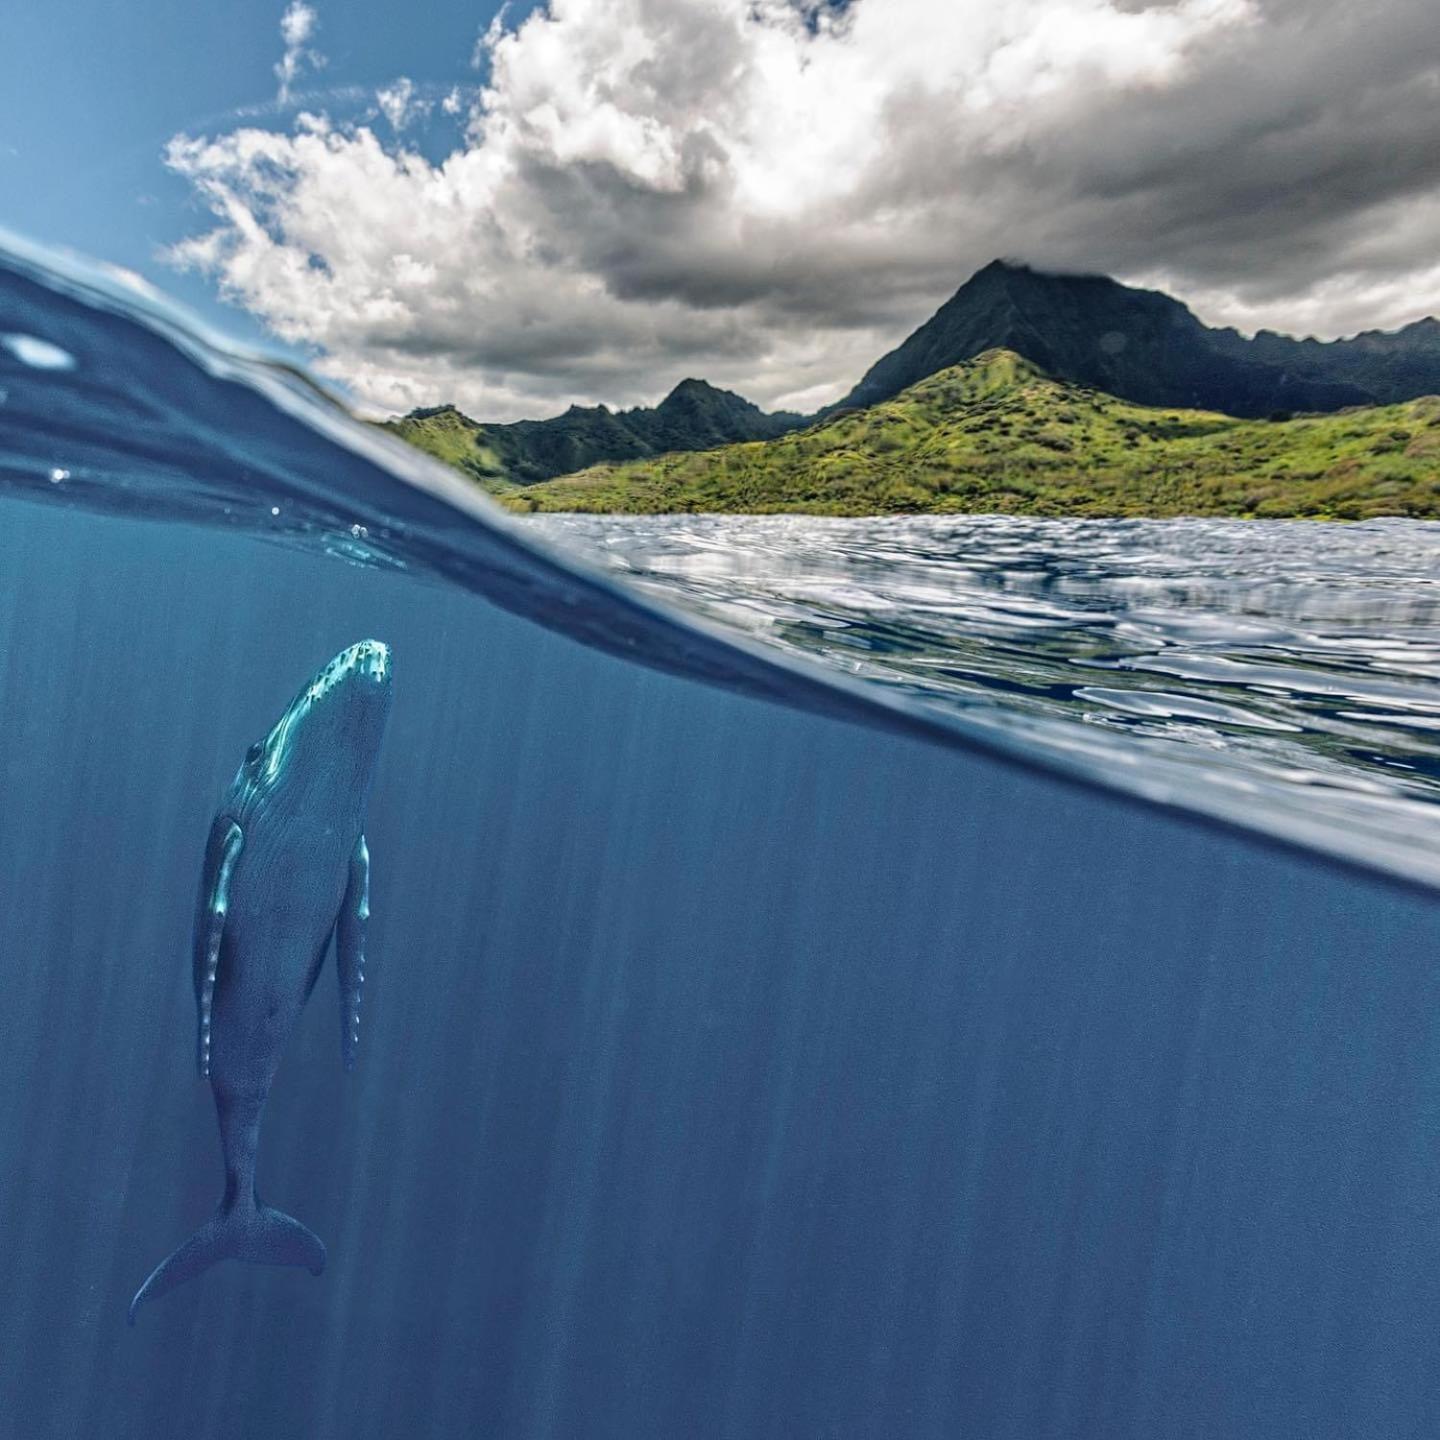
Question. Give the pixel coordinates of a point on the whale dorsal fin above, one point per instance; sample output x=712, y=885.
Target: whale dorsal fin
x=226, y=841
x=350, y=929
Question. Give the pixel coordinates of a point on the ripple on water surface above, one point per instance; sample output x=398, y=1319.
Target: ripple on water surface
x=1278, y=673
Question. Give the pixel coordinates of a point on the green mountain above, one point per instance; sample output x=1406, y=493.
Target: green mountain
x=1146, y=347
x=1047, y=396
x=694, y=416
x=997, y=434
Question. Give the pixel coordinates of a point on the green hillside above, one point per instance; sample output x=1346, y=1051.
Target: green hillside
x=997, y=435
x=456, y=439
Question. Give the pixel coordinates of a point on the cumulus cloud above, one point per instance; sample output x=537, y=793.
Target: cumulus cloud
x=771, y=192
x=297, y=28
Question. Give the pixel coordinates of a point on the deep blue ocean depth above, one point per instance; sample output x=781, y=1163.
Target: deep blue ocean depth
x=731, y=1070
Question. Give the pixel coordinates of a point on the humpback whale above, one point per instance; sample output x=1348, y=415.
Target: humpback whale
x=286, y=869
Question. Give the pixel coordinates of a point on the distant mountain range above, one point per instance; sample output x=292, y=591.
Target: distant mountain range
x=1387, y=366
x=996, y=434
x=1088, y=331
x=693, y=416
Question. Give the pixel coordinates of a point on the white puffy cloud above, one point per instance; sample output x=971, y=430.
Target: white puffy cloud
x=297, y=28
x=771, y=192
x=402, y=104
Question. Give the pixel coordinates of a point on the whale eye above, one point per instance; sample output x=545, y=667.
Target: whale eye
x=253, y=754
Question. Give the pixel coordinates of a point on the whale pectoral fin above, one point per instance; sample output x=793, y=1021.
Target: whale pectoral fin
x=226, y=841
x=350, y=950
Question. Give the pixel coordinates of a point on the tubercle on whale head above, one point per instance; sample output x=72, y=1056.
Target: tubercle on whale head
x=365, y=660
x=369, y=659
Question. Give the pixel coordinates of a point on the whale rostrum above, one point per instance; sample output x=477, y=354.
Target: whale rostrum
x=286, y=874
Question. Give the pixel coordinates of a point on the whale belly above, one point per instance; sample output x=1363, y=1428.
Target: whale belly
x=282, y=912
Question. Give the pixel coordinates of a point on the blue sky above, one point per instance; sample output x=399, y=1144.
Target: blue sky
x=92, y=90
x=767, y=194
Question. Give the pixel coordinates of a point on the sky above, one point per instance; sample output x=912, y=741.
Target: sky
x=522, y=208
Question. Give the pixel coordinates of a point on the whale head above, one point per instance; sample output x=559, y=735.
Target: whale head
x=324, y=747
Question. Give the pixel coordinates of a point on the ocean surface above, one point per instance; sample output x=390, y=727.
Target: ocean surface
x=1276, y=673
x=826, y=979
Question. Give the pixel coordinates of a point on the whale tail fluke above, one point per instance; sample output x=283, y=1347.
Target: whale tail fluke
x=244, y=1232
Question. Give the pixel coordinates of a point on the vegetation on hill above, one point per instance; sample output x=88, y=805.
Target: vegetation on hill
x=694, y=416
x=1024, y=392
x=998, y=435
x=1086, y=330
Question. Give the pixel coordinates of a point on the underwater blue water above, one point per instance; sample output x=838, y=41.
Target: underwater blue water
x=746, y=1054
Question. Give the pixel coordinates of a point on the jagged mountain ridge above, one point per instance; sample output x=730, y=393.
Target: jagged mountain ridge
x=693, y=416
x=1391, y=366
x=1146, y=347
